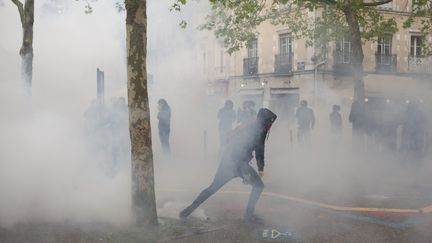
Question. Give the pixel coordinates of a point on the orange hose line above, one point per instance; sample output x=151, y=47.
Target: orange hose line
x=343, y=208
x=427, y=209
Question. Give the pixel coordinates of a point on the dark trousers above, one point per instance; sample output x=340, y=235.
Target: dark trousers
x=227, y=172
x=164, y=139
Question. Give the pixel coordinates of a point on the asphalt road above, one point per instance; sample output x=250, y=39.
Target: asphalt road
x=287, y=221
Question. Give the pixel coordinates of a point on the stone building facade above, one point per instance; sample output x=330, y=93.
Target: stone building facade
x=278, y=70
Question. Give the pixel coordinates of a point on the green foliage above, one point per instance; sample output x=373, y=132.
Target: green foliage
x=237, y=26
x=183, y=24
x=317, y=21
x=88, y=9
x=421, y=9
x=177, y=6
x=120, y=5
x=87, y=6
x=373, y=24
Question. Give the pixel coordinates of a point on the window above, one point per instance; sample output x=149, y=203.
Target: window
x=285, y=44
x=253, y=49
x=384, y=59
x=416, y=46
x=301, y=66
x=384, y=45
x=250, y=64
x=343, y=50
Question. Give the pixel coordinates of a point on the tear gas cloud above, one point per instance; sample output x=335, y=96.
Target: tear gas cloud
x=52, y=169
x=49, y=170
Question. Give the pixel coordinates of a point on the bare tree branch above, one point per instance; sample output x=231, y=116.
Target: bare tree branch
x=371, y=4
x=20, y=7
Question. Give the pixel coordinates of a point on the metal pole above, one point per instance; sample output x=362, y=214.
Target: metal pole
x=315, y=86
x=100, y=89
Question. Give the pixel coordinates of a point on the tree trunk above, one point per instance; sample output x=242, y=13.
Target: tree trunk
x=357, y=51
x=26, y=13
x=357, y=71
x=143, y=194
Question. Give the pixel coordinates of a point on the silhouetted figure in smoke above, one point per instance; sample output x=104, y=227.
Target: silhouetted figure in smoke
x=248, y=113
x=372, y=127
x=357, y=117
x=336, y=120
x=390, y=121
x=306, y=122
x=92, y=118
x=235, y=163
x=413, y=132
x=118, y=119
x=226, y=116
x=389, y=134
x=97, y=127
x=164, y=117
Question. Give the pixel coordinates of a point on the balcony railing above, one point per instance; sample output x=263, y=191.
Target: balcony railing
x=283, y=63
x=385, y=63
x=250, y=66
x=420, y=64
x=341, y=62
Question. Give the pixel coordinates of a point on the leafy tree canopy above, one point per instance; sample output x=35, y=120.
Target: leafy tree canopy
x=422, y=9
x=236, y=21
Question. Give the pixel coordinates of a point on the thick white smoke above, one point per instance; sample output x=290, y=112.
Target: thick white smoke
x=48, y=170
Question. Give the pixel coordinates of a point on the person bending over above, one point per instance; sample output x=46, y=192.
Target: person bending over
x=235, y=163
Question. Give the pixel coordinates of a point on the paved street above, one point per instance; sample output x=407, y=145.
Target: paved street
x=297, y=222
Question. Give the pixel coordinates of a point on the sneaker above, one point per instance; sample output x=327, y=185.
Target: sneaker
x=185, y=213
x=253, y=219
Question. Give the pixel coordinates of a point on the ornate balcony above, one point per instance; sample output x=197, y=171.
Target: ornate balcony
x=385, y=63
x=250, y=66
x=283, y=63
x=342, y=62
x=420, y=64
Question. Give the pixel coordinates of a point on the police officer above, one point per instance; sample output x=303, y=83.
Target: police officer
x=235, y=163
x=336, y=120
x=164, y=116
x=305, y=120
x=248, y=114
x=226, y=116
x=414, y=132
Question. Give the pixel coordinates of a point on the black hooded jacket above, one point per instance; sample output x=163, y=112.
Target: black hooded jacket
x=248, y=138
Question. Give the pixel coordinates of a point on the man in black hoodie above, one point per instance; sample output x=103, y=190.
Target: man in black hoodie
x=235, y=163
